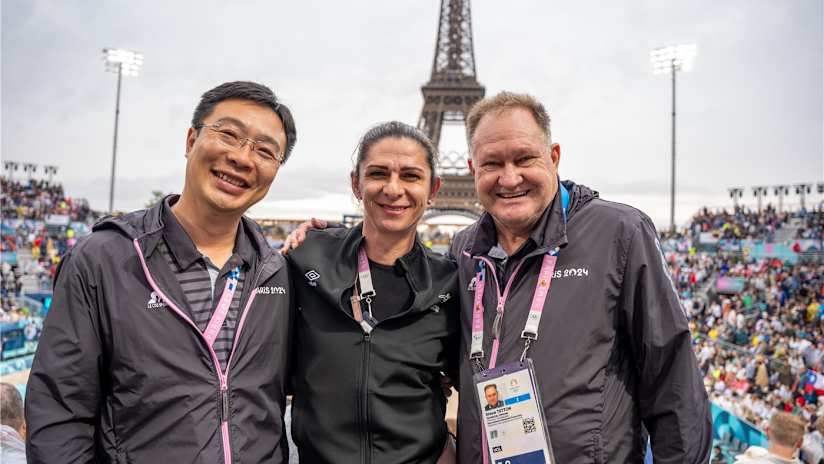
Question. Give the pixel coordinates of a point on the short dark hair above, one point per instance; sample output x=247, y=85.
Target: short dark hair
x=251, y=91
x=492, y=386
x=395, y=129
x=11, y=406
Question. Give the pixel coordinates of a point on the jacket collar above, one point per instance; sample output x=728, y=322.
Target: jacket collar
x=354, y=239
x=416, y=268
x=146, y=227
x=183, y=248
x=549, y=232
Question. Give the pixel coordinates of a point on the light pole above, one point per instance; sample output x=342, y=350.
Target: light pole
x=123, y=63
x=670, y=60
x=735, y=193
x=29, y=169
x=780, y=191
x=50, y=171
x=759, y=193
x=803, y=190
x=10, y=167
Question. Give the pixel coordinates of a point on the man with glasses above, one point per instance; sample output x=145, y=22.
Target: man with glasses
x=168, y=335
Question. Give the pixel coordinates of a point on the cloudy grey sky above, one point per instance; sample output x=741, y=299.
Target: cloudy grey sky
x=749, y=114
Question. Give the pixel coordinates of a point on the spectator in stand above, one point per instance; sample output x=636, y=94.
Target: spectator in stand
x=785, y=435
x=812, y=449
x=12, y=426
x=813, y=227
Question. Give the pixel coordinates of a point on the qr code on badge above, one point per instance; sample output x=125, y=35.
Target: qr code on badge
x=529, y=425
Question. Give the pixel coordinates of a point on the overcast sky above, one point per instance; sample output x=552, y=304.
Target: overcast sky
x=750, y=113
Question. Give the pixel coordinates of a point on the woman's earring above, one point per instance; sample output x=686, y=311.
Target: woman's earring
x=428, y=202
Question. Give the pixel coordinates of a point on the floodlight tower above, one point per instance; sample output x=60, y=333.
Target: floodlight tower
x=802, y=190
x=29, y=169
x=819, y=187
x=50, y=171
x=123, y=63
x=10, y=167
x=780, y=191
x=759, y=193
x=736, y=193
x=670, y=60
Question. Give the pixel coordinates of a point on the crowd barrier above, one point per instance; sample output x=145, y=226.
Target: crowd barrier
x=20, y=338
x=729, y=428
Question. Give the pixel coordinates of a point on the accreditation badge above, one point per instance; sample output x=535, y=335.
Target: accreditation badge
x=513, y=419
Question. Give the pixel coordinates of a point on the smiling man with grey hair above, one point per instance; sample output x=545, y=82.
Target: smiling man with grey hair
x=609, y=341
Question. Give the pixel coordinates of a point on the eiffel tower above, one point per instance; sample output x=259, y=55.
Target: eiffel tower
x=451, y=91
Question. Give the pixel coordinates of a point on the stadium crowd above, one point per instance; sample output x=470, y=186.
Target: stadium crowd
x=740, y=223
x=760, y=346
x=27, y=206
x=37, y=199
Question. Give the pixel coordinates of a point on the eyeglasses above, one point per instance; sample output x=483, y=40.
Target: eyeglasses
x=232, y=137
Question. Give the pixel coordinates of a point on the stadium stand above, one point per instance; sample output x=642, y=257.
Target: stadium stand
x=752, y=285
x=40, y=223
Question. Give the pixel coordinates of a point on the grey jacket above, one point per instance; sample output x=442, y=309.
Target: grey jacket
x=613, y=351
x=122, y=374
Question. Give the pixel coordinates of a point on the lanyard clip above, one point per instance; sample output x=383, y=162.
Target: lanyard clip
x=367, y=329
x=476, y=358
x=526, y=348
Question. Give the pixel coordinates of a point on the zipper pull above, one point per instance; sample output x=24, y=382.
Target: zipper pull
x=496, y=324
x=224, y=404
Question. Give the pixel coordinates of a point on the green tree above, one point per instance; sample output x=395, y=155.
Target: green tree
x=157, y=196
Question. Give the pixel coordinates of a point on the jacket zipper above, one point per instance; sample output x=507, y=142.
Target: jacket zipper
x=222, y=378
x=366, y=440
x=224, y=426
x=366, y=436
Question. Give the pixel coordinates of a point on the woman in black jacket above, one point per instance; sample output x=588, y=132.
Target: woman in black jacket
x=376, y=325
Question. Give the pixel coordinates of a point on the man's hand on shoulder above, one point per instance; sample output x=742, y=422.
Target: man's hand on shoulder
x=299, y=235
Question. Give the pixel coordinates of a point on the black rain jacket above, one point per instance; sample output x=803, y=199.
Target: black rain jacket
x=122, y=375
x=369, y=398
x=613, y=349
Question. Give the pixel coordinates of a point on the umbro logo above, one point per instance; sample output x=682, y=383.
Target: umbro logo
x=445, y=297
x=312, y=275
x=155, y=302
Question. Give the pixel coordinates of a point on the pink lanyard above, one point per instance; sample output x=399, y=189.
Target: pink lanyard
x=366, y=293
x=219, y=316
x=530, y=331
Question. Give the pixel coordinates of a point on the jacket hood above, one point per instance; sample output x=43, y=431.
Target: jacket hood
x=579, y=195
x=550, y=231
